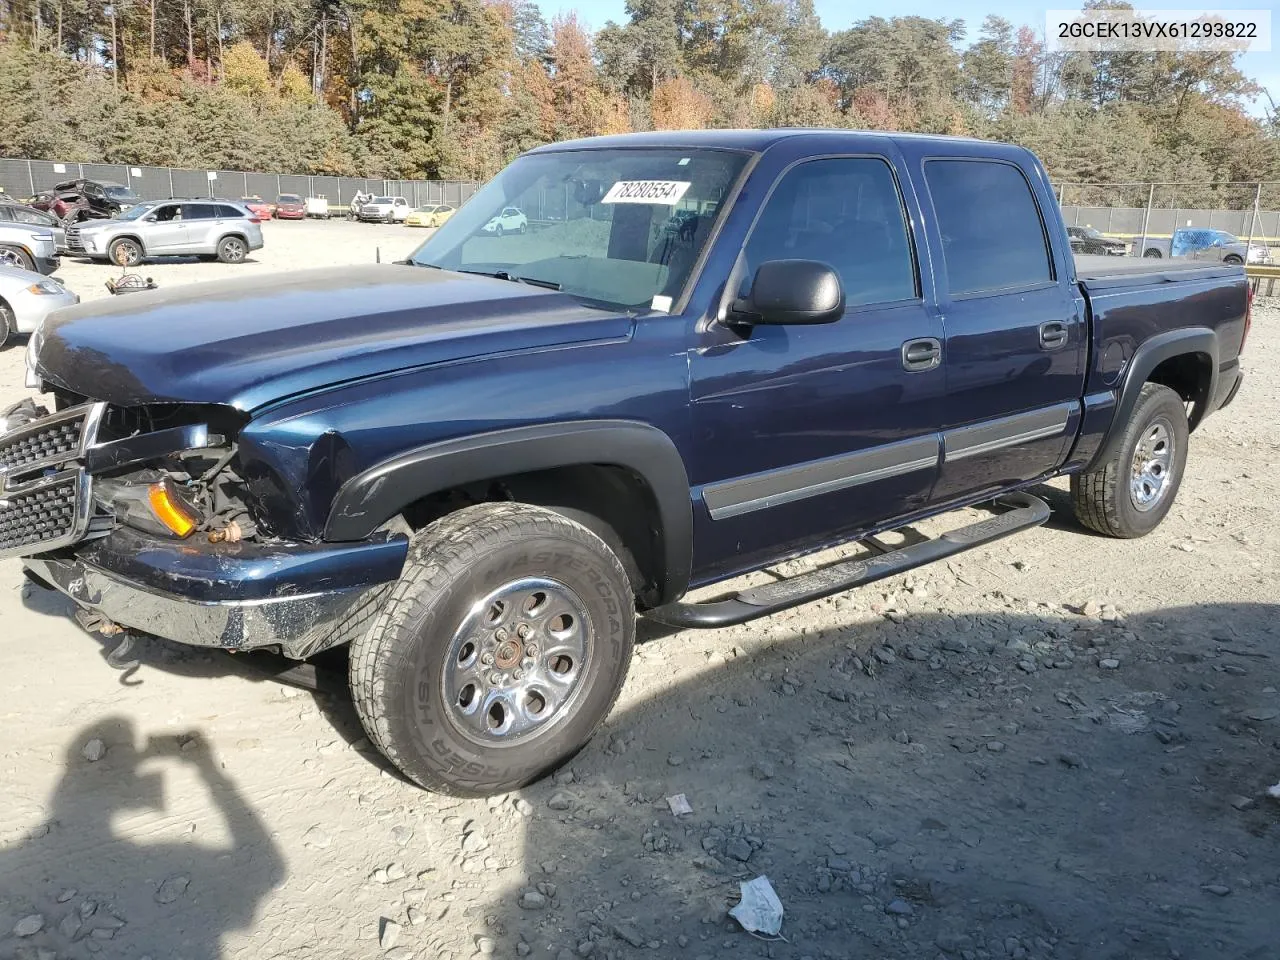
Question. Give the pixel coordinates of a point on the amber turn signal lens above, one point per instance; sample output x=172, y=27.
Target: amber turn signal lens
x=169, y=510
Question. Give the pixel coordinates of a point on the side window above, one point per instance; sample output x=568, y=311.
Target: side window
x=228, y=211
x=199, y=211
x=168, y=212
x=7, y=213
x=846, y=213
x=992, y=235
x=30, y=216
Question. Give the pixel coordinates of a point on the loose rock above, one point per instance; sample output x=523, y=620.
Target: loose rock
x=389, y=935
x=172, y=888
x=560, y=801
x=94, y=750
x=532, y=900
x=29, y=926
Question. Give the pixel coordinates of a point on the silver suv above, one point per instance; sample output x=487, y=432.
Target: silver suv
x=170, y=228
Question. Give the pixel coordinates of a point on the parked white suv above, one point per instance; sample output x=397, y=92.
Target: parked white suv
x=170, y=228
x=386, y=209
x=510, y=220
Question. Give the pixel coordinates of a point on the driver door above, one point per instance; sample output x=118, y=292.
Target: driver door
x=166, y=230
x=804, y=434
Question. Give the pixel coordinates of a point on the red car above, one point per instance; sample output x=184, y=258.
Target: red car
x=289, y=206
x=259, y=208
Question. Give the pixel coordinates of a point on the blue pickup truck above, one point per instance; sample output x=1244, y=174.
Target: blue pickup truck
x=474, y=467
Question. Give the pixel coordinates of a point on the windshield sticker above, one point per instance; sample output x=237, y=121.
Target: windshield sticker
x=662, y=303
x=665, y=192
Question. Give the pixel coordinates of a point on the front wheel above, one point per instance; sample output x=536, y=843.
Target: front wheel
x=125, y=252
x=1153, y=254
x=500, y=650
x=1130, y=494
x=8, y=323
x=1233, y=260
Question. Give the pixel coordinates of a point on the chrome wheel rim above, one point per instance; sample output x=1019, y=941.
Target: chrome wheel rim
x=514, y=668
x=1152, y=470
x=127, y=254
x=9, y=258
x=234, y=250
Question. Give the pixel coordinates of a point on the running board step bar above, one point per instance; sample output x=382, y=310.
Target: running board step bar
x=1027, y=511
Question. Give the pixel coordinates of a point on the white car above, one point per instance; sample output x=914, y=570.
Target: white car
x=26, y=298
x=510, y=220
x=386, y=209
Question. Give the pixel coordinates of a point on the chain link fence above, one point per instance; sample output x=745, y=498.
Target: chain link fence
x=1145, y=215
x=26, y=178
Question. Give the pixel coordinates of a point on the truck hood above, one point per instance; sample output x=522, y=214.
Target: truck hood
x=247, y=343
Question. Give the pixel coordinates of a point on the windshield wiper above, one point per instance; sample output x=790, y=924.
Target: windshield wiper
x=504, y=275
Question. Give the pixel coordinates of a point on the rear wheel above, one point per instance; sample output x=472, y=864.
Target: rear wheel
x=1153, y=254
x=501, y=649
x=125, y=252
x=1130, y=494
x=232, y=250
x=1233, y=260
x=16, y=257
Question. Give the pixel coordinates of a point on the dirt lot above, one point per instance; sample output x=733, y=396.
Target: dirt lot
x=1055, y=747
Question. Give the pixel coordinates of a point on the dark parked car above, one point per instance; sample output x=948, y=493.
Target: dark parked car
x=1088, y=240
x=474, y=466
x=75, y=200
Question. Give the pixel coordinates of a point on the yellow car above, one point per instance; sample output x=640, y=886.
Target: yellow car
x=432, y=215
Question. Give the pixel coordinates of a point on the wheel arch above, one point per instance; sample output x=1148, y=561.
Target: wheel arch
x=592, y=471
x=1185, y=360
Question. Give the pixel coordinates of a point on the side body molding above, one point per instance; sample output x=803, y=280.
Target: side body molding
x=372, y=497
x=1149, y=355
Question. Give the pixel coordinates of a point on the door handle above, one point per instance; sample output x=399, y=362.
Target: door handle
x=1053, y=335
x=922, y=354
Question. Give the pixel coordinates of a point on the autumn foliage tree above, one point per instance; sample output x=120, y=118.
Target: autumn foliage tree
x=456, y=88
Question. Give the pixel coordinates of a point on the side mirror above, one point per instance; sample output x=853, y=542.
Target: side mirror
x=791, y=292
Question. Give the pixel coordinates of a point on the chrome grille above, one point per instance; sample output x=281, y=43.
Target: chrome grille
x=44, y=489
x=46, y=512
x=58, y=442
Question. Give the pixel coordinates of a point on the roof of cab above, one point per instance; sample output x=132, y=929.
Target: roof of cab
x=753, y=140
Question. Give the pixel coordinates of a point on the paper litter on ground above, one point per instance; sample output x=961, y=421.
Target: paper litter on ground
x=760, y=910
x=679, y=805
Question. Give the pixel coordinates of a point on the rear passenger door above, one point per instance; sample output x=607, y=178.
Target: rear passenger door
x=1015, y=328
x=204, y=225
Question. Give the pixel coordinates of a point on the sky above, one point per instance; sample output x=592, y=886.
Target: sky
x=1264, y=68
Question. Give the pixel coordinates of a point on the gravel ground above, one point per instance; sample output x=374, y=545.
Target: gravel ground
x=1058, y=746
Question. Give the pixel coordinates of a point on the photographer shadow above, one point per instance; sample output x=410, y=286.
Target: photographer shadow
x=117, y=870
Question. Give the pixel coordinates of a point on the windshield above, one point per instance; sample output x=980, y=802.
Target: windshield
x=1226, y=237
x=381, y=200
x=133, y=213
x=622, y=227
x=1091, y=233
x=290, y=198
x=120, y=193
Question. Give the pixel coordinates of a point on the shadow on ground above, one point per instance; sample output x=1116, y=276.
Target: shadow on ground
x=119, y=869
x=931, y=789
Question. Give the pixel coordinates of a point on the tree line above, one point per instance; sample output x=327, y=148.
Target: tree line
x=455, y=88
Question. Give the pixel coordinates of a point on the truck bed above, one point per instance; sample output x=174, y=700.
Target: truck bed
x=1112, y=273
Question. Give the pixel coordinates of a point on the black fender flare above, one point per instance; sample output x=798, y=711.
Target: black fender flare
x=1149, y=355
x=383, y=490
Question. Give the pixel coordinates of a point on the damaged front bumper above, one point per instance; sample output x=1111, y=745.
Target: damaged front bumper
x=68, y=510
x=298, y=597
